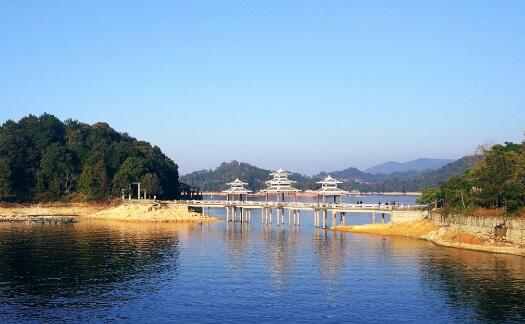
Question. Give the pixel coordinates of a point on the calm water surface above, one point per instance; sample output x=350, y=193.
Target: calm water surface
x=97, y=271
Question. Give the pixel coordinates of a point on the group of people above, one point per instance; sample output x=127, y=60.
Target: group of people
x=391, y=203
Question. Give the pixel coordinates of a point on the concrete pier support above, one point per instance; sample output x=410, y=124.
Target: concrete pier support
x=282, y=216
x=298, y=218
x=325, y=217
x=270, y=216
x=334, y=218
x=227, y=214
x=373, y=218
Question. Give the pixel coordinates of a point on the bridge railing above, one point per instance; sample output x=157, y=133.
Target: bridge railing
x=232, y=203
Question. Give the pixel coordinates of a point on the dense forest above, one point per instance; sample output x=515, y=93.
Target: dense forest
x=45, y=159
x=495, y=180
x=353, y=179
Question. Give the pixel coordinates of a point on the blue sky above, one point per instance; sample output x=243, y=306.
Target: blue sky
x=303, y=85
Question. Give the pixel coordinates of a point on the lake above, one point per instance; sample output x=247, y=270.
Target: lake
x=97, y=271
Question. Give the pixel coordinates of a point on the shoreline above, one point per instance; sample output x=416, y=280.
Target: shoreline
x=74, y=212
x=428, y=231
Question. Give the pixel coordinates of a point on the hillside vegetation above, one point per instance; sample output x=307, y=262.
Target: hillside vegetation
x=495, y=181
x=45, y=159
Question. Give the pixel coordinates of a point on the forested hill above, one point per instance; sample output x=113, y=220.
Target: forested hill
x=215, y=180
x=45, y=159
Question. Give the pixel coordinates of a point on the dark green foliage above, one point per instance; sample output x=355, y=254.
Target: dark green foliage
x=56, y=174
x=42, y=158
x=497, y=180
x=93, y=182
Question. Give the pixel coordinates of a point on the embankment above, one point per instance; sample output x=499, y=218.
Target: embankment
x=146, y=211
x=480, y=233
x=151, y=212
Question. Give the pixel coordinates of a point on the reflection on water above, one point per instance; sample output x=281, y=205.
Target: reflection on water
x=247, y=272
x=493, y=286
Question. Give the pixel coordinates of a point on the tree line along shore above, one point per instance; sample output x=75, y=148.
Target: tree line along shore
x=69, y=167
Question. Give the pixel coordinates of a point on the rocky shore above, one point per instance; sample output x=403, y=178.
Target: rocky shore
x=448, y=236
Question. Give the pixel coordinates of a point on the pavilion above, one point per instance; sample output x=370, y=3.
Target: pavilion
x=280, y=185
x=329, y=188
x=236, y=188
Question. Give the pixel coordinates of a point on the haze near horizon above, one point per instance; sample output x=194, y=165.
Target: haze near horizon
x=309, y=86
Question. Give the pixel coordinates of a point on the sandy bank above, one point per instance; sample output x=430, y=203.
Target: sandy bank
x=151, y=212
x=68, y=212
x=426, y=230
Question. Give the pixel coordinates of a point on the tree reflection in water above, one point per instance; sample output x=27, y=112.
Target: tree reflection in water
x=59, y=265
x=491, y=285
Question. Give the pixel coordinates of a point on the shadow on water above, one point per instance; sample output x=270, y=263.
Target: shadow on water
x=89, y=263
x=492, y=286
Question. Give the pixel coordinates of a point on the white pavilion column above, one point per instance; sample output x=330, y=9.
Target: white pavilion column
x=325, y=217
x=270, y=216
x=282, y=216
x=227, y=214
x=298, y=217
x=295, y=217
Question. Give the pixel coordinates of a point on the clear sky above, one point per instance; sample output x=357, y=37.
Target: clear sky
x=303, y=85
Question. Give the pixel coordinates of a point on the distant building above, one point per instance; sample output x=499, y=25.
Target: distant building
x=329, y=188
x=236, y=188
x=280, y=185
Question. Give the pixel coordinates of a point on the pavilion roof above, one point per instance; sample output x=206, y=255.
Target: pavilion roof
x=237, y=190
x=329, y=180
x=331, y=191
x=280, y=172
x=237, y=182
x=280, y=189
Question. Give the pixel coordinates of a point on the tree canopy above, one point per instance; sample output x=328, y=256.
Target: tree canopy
x=45, y=159
x=496, y=180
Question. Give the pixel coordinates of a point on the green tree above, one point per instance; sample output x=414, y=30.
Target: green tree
x=431, y=196
x=56, y=175
x=93, y=182
x=6, y=186
x=150, y=182
x=132, y=170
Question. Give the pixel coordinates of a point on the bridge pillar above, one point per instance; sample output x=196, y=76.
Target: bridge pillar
x=298, y=217
x=382, y=218
x=270, y=216
x=289, y=217
x=373, y=218
x=282, y=216
x=227, y=214
x=334, y=218
x=325, y=217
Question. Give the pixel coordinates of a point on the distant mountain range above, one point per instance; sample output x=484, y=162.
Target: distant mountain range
x=353, y=178
x=423, y=164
